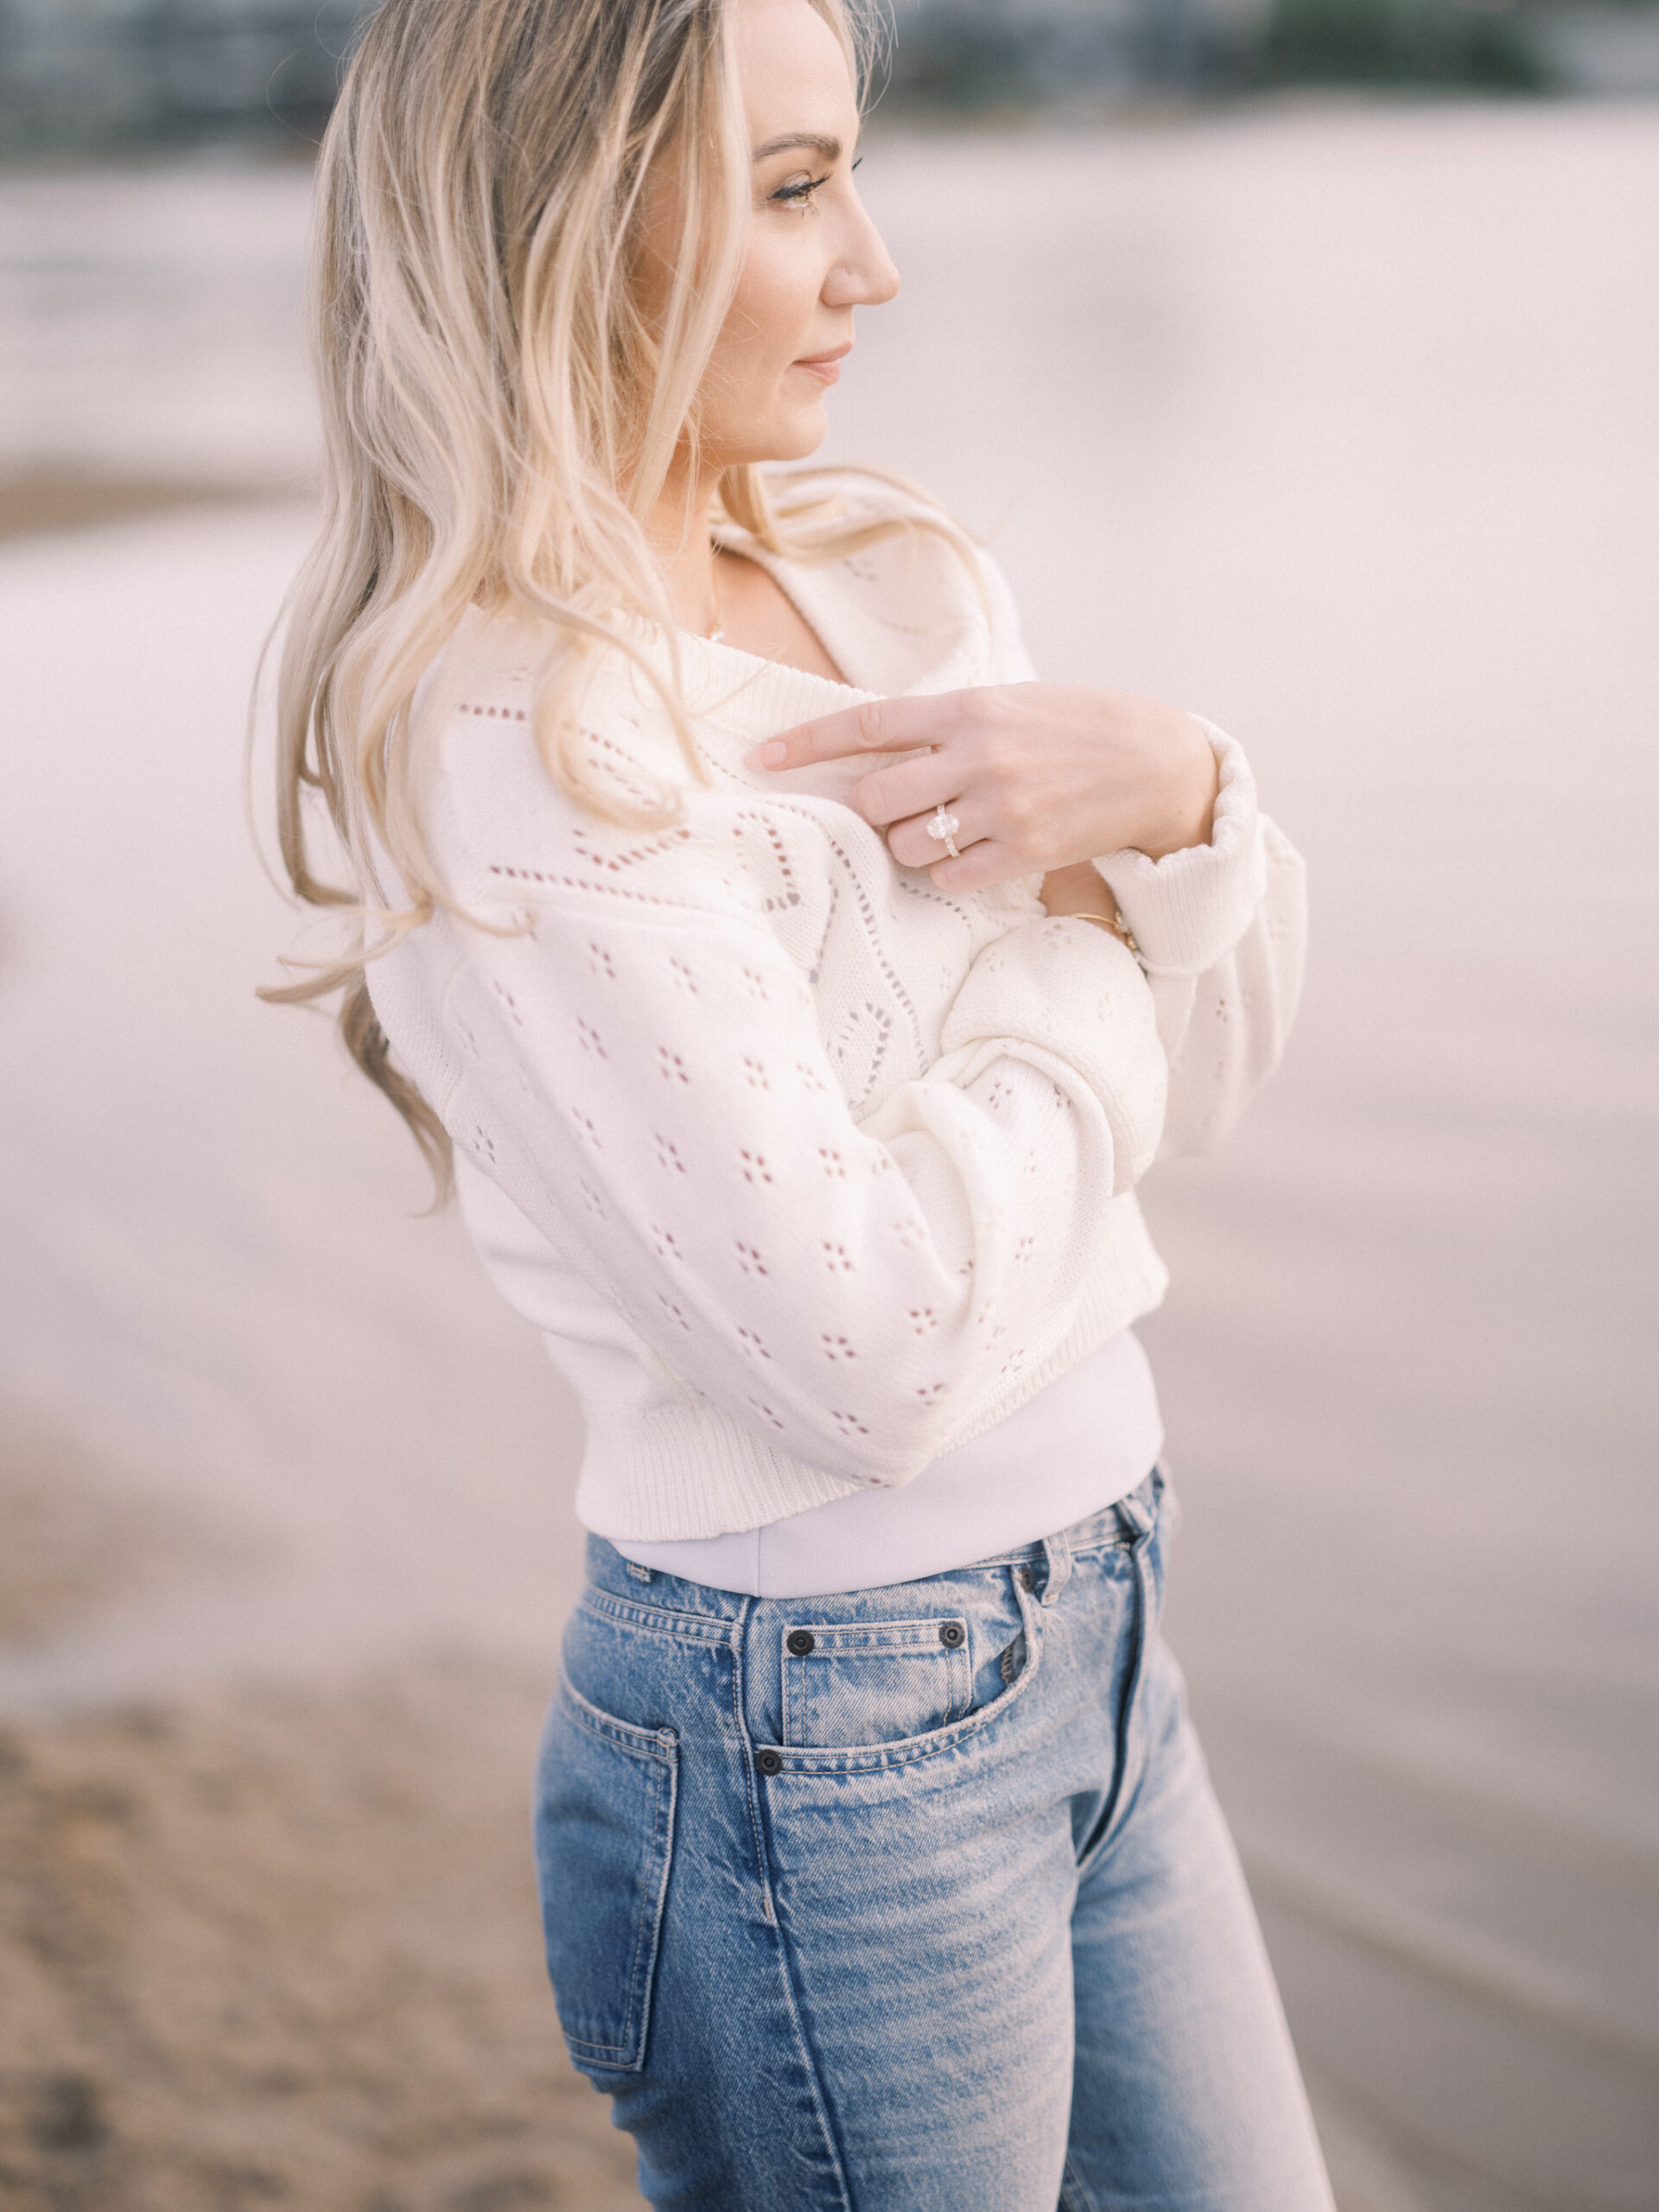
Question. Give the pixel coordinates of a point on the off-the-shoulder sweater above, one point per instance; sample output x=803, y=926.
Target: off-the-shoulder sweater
x=809, y=1170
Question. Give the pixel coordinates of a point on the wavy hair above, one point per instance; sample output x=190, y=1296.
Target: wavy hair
x=499, y=415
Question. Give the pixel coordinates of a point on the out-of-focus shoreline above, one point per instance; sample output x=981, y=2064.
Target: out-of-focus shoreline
x=39, y=502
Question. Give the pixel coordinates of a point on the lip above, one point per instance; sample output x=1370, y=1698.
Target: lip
x=825, y=366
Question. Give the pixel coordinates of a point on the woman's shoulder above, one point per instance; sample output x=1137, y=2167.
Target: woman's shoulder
x=597, y=809
x=924, y=599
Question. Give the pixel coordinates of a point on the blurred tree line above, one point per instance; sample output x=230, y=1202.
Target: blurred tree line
x=85, y=74
x=968, y=54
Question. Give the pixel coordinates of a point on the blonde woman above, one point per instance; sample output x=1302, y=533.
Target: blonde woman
x=797, y=991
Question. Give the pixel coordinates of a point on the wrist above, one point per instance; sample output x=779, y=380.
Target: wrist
x=1115, y=925
x=1187, y=815
x=1081, y=894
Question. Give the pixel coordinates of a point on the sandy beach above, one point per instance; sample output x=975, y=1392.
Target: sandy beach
x=1347, y=438
x=272, y=1949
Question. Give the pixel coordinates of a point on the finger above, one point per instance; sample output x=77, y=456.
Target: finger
x=913, y=845
x=982, y=864
x=877, y=726
x=912, y=787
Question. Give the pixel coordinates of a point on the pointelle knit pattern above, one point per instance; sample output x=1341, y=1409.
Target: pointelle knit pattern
x=808, y=1170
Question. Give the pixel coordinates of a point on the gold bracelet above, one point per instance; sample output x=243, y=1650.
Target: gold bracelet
x=1119, y=928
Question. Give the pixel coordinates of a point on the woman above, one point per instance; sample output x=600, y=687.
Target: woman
x=802, y=988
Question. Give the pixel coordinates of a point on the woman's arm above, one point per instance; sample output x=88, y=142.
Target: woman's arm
x=647, y=1081
x=1065, y=785
x=1222, y=932
x=1225, y=1026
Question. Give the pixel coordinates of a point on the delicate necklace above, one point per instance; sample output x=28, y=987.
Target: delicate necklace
x=717, y=635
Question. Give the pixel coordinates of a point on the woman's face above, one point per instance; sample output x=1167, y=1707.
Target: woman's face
x=813, y=255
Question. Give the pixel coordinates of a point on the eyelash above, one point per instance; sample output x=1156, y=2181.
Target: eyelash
x=800, y=196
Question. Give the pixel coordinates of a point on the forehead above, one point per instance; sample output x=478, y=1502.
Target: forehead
x=792, y=72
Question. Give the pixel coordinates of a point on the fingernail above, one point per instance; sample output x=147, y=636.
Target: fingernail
x=767, y=755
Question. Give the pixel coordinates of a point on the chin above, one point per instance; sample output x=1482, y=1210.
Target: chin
x=791, y=435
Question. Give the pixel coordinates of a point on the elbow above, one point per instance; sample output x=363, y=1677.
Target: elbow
x=1137, y=1118
x=1136, y=1146
x=1193, y=1139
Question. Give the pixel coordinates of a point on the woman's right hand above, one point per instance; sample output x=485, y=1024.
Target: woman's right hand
x=1028, y=769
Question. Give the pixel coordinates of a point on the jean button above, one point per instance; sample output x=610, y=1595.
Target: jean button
x=800, y=1641
x=1027, y=1579
x=769, y=1761
x=951, y=1634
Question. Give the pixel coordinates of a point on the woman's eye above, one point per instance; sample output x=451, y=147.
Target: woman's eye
x=799, y=193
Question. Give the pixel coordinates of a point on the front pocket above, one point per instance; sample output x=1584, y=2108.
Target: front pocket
x=604, y=1829
x=858, y=1682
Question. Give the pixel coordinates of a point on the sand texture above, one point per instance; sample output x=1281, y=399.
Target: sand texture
x=280, y=1948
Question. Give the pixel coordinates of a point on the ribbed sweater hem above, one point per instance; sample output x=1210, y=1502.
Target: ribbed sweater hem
x=653, y=1481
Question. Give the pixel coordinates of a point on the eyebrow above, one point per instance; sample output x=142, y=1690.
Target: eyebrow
x=830, y=148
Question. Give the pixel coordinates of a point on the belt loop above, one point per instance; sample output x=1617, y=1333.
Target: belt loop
x=1057, y=1564
x=1136, y=1516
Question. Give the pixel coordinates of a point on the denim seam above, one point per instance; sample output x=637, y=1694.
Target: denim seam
x=745, y=1756
x=639, y=1743
x=798, y=1681
x=786, y=1975
x=623, y=2057
x=814, y=2073
x=1029, y=1554
x=1118, y=1544
x=1122, y=1799
x=925, y=1635
x=1076, y=2196
x=693, y=1628
x=876, y=1758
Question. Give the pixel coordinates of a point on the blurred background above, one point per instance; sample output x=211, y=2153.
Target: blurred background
x=1299, y=360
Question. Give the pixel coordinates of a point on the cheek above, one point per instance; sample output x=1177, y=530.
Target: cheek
x=772, y=312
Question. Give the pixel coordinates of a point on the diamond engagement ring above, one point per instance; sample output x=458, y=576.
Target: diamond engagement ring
x=944, y=825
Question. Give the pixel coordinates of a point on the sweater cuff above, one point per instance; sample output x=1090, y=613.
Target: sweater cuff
x=1190, y=909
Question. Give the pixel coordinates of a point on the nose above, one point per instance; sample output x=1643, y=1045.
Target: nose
x=884, y=276
x=863, y=275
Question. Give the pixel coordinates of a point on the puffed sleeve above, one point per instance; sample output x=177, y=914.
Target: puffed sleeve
x=1223, y=933
x=1222, y=929
x=644, y=1075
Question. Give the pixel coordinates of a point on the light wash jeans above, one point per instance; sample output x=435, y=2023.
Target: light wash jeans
x=914, y=1900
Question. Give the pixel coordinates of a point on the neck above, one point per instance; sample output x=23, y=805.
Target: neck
x=677, y=529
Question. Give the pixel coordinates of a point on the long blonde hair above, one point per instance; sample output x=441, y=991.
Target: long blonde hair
x=498, y=417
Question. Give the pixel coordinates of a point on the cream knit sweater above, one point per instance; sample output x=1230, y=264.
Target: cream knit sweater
x=808, y=1170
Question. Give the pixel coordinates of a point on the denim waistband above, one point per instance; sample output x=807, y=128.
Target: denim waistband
x=1130, y=1515
x=1128, y=1518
